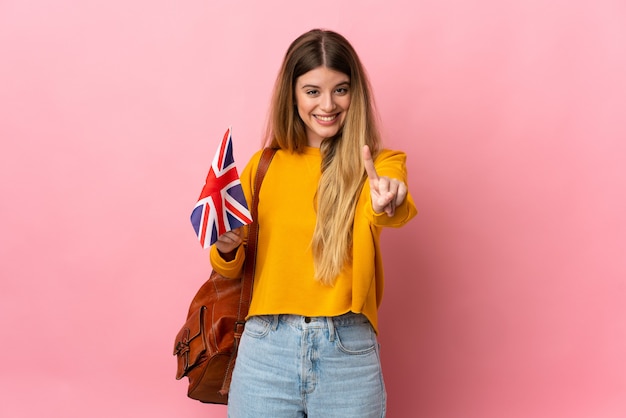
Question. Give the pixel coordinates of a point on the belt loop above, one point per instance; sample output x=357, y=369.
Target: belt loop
x=331, y=328
x=275, y=319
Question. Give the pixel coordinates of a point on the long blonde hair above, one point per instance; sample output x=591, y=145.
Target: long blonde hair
x=343, y=172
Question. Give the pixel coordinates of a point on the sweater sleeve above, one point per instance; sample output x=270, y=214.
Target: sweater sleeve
x=230, y=269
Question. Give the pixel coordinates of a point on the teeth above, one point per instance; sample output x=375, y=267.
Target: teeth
x=326, y=118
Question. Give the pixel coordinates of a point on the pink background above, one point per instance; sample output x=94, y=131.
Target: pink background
x=506, y=296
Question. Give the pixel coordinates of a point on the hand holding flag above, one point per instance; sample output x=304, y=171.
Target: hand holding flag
x=222, y=205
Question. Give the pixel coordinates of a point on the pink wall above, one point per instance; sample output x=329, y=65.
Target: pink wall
x=505, y=296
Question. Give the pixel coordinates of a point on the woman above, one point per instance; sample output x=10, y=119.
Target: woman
x=309, y=348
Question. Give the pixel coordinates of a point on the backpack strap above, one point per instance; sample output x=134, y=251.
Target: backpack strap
x=250, y=263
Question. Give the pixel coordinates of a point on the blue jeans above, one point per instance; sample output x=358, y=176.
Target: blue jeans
x=291, y=366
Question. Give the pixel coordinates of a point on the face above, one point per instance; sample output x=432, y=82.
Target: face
x=323, y=98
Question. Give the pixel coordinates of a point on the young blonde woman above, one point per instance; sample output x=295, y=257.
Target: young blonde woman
x=309, y=348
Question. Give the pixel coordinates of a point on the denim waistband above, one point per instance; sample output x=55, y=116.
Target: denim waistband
x=304, y=323
x=346, y=319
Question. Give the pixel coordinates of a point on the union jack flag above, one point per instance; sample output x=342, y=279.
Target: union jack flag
x=222, y=205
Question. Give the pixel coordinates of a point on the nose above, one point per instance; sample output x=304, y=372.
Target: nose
x=327, y=103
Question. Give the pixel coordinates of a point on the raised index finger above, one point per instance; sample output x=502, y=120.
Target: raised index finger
x=369, y=164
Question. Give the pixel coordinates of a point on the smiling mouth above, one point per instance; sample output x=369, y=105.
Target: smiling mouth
x=326, y=118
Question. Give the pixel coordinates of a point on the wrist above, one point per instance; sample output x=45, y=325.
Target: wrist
x=228, y=256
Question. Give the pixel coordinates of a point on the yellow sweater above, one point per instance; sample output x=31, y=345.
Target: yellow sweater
x=284, y=282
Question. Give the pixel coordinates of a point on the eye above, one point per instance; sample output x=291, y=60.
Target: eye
x=342, y=91
x=312, y=92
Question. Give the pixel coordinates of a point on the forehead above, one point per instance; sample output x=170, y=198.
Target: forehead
x=322, y=76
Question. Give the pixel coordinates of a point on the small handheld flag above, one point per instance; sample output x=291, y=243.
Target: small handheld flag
x=222, y=205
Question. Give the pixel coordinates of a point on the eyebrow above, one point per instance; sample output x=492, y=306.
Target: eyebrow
x=343, y=83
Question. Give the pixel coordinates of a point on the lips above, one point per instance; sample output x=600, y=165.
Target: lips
x=326, y=118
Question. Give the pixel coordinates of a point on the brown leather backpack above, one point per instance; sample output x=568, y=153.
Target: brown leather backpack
x=206, y=346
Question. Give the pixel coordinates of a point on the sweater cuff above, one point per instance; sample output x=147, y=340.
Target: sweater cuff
x=229, y=269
